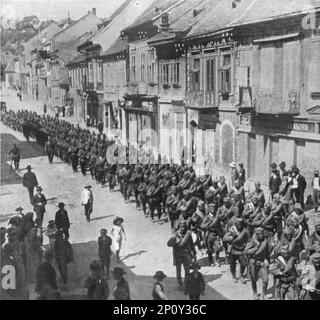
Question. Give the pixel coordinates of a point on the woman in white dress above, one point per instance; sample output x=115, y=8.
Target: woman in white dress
x=118, y=233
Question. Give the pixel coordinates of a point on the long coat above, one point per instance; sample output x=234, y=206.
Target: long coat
x=62, y=220
x=29, y=180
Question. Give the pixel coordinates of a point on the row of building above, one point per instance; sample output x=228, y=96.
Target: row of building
x=225, y=80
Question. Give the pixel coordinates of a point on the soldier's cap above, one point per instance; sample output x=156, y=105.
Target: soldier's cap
x=159, y=275
x=182, y=223
x=104, y=231
x=273, y=165
x=118, y=270
x=28, y=167
x=19, y=209
x=297, y=206
x=195, y=265
x=315, y=257
x=95, y=265
x=226, y=199
x=61, y=205
x=200, y=203
x=282, y=164
x=39, y=188
x=186, y=193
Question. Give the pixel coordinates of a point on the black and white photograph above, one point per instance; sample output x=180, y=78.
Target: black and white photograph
x=160, y=150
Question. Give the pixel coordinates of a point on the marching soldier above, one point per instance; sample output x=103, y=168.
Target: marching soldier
x=183, y=251
x=212, y=234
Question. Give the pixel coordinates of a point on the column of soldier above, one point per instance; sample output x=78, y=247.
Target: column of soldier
x=264, y=238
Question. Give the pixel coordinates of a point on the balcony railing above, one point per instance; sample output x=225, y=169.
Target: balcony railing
x=201, y=98
x=273, y=101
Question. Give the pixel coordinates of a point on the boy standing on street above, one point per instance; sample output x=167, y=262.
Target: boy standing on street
x=104, y=251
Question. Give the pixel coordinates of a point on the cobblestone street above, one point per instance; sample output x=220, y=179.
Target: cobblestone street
x=145, y=250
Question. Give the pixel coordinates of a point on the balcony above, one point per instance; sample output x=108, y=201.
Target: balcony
x=137, y=88
x=273, y=101
x=201, y=98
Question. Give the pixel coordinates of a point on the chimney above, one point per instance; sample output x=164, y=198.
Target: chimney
x=94, y=11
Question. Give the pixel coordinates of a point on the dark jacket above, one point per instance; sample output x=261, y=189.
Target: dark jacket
x=98, y=289
x=104, y=246
x=274, y=183
x=62, y=219
x=194, y=285
x=46, y=275
x=29, y=180
x=121, y=290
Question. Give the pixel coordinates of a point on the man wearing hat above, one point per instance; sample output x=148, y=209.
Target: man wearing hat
x=282, y=169
x=87, y=201
x=104, y=251
x=39, y=202
x=237, y=239
x=299, y=185
x=158, y=289
x=62, y=220
x=46, y=274
x=316, y=190
x=274, y=181
x=242, y=174
x=121, y=291
x=49, y=148
x=183, y=250
x=30, y=181
x=15, y=152
x=194, y=285
x=96, y=284
x=211, y=226
x=61, y=252
x=257, y=253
